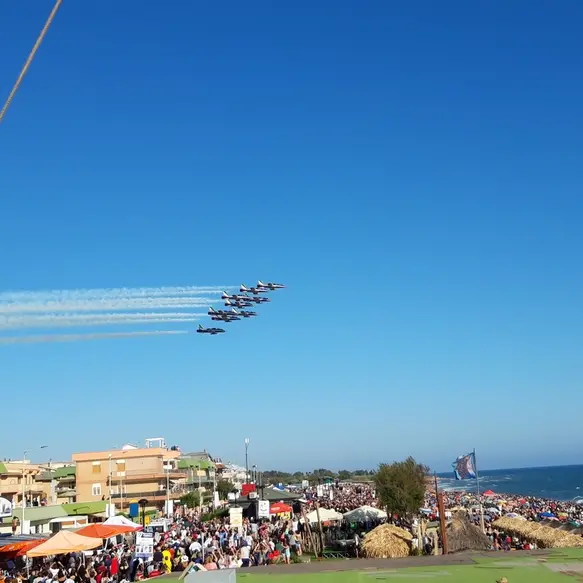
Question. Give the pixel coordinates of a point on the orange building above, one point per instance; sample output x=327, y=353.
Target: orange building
x=129, y=474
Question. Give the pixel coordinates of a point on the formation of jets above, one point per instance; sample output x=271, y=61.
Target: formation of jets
x=248, y=297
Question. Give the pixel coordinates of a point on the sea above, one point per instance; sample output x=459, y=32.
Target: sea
x=556, y=483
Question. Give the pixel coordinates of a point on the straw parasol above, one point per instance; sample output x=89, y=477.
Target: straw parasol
x=544, y=536
x=387, y=541
x=462, y=535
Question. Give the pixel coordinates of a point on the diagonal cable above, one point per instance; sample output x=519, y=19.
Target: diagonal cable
x=37, y=44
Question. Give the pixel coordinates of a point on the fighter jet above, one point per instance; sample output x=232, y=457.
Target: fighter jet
x=252, y=290
x=235, y=299
x=269, y=286
x=256, y=299
x=223, y=315
x=237, y=304
x=213, y=331
x=244, y=313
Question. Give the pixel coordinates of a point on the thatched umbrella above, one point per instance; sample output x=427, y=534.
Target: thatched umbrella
x=387, y=541
x=462, y=535
x=544, y=536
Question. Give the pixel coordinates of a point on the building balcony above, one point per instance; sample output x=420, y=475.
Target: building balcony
x=152, y=496
x=146, y=476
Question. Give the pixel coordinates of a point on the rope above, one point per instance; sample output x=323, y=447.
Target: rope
x=39, y=40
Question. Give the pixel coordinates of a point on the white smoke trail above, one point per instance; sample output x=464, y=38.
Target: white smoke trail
x=81, y=337
x=100, y=305
x=109, y=293
x=79, y=320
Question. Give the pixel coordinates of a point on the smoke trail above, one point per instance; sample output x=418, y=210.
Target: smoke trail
x=81, y=337
x=100, y=305
x=109, y=293
x=69, y=320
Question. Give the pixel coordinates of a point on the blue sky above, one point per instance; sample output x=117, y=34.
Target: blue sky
x=412, y=171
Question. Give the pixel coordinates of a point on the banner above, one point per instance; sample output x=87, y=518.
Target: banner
x=236, y=517
x=263, y=509
x=145, y=545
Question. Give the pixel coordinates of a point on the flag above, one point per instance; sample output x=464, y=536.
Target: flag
x=464, y=467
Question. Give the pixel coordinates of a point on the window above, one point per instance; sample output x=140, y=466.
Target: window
x=121, y=465
x=96, y=490
x=96, y=467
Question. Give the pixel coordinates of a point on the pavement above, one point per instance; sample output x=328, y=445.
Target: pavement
x=335, y=565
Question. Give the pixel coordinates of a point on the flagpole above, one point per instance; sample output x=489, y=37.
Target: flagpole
x=478, y=490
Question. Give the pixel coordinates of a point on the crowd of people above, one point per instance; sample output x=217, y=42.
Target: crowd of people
x=342, y=497
x=494, y=505
x=215, y=544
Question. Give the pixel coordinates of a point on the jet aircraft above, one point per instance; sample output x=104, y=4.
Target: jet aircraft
x=223, y=315
x=252, y=290
x=238, y=304
x=236, y=299
x=213, y=331
x=269, y=286
x=244, y=313
x=256, y=299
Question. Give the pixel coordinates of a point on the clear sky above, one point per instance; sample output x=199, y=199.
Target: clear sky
x=411, y=170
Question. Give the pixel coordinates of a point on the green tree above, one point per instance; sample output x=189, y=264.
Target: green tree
x=344, y=475
x=191, y=499
x=224, y=487
x=401, y=486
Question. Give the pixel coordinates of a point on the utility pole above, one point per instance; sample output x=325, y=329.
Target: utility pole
x=24, y=489
x=320, y=531
x=442, y=524
x=109, y=512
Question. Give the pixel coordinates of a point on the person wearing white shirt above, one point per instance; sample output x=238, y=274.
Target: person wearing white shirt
x=195, y=547
x=244, y=553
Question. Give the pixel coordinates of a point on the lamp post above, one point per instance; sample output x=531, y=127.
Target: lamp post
x=254, y=474
x=143, y=502
x=247, y=460
x=24, y=485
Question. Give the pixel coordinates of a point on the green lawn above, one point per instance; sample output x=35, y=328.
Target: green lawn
x=515, y=569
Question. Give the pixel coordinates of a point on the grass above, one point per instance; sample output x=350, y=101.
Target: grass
x=487, y=570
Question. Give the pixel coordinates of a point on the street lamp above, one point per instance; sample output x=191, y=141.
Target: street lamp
x=109, y=512
x=247, y=460
x=24, y=485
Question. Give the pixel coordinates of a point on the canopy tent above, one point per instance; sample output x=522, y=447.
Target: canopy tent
x=280, y=508
x=489, y=493
x=365, y=513
x=122, y=521
x=104, y=530
x=326, y=515
x=19, y=549
x=65, y=542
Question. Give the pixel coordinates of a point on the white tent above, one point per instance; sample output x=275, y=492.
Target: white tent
x=365, y=513
x=121, y=521
x=325, y=515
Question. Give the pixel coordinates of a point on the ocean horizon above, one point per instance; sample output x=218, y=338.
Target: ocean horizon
x=552, y=482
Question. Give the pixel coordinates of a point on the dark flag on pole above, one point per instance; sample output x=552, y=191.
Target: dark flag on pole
x=464, y=467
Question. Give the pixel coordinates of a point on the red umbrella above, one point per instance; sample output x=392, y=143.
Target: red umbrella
x=489, y=493
x=279, y=508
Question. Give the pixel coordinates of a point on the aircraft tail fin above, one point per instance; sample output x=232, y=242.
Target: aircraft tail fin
x=259, y=283
x=200, y=327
